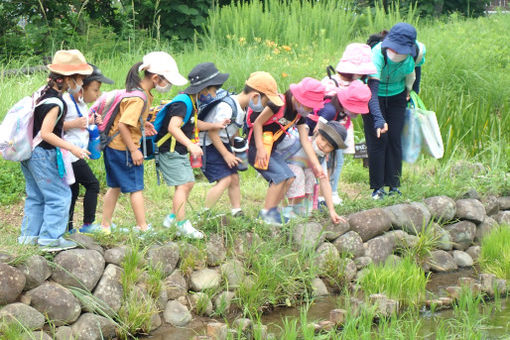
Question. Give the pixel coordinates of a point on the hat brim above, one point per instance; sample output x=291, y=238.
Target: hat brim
x=216, y=81
x=352, y=106
x=316, y=105
x=100, y=78
x=175, y=79
x=276, y=100
x=397, y=47
x=332, y=137
x=365, y=68
x=69, y=70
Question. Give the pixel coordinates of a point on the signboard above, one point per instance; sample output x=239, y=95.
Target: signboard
x=360, y=150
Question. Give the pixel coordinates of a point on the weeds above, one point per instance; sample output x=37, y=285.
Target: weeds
x=495, y=253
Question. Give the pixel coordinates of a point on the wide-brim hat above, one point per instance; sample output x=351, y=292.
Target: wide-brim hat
x=401, y=39
x=97, y=75
x=162, y=63
x=355, y=97
x=356, y=59
x=69, y=62
x=204, y=75
x=335, y=133
x=265, y=83
x=309, y=92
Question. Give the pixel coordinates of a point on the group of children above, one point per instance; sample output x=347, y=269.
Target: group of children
x=295, y=139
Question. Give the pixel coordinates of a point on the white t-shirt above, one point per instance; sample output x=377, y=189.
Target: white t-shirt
x=218, y=114
x=78, y=137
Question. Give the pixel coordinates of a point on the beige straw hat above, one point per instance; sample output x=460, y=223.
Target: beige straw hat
x=69, y=62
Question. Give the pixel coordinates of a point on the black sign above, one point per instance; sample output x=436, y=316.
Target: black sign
x=360, y=150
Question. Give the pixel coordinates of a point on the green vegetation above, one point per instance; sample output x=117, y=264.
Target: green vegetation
x=495, y=253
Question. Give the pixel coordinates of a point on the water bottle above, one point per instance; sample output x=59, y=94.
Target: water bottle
x=240, y=149
x=94, y=141
x=196, y=162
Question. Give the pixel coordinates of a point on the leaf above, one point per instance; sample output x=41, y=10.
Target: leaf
x=197, y=21
x=183, y=9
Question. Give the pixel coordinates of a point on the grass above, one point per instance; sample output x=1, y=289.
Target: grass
x=495, y=253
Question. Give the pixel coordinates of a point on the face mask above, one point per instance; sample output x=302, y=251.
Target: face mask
x=205, y=99
x=395, y=57
x=77, y=88
x=256, y=107
x=316, y=149
x=302, y=112
x=163, y=89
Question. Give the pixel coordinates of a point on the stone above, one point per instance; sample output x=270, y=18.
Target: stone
x=503, y=217
x=39, y=335
x=12, y=282
x=501, y=286
x=325, y=256
x=350, y=243
x=349, y=269
x=393, y=260
x=370, y=223
x=86, y=242
x=326, y=326
x=470, y=209
x=175, y=285
x=36, y=270
x=308, y=235
x=441, y=261
x=217, y=330
x=6, y=258
x=164, y=257
x=462, y=259
x=201, y=304
x=487, y=283
x=18, y=312
x=176, y=314
x=243, y=326
x=427, y=216
x=379, y=248
x=215, y=250
x=116, y=255
x=194, y=258
x=407, y=217
x=162, y=299
x=109, y=290
x=491, y=205
x=93, y=327
x=504, y=203
x=474, y=252
x=56, y=302
x=319, y=288
x=155, y=322
x=444, y=240
x=332, y=231
x=466, y=281
x=205, y=279
x=81, y=268
x=64, y=333
x=362, y=262
x=445, y=301
x=462, y=234
x=260, y=331
x=223, y=301
x=233, y=273
x=442, y=208
x=337, y=316
x=484, y=228
x=385, y=306
x=471, y=193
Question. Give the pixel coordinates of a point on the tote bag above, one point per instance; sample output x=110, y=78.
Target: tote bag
x=431, y=133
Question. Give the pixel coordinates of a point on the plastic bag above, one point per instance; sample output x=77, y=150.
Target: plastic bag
x=432, y=138
x=411, y=136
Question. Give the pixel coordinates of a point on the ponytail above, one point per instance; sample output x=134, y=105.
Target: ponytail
x=133, y=78
x=54, y=79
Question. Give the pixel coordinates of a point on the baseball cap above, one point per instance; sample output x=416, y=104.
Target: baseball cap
x=161, y=63
x=97, y=75
x=265, y=83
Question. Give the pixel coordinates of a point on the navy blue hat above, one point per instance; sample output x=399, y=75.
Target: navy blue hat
x=401, y=39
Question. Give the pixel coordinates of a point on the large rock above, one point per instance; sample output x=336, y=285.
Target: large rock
x=444, y=240
x=201, y=304
x=350, y=243
x=36, y=270
x=56, y=302
x=233, y=273
x=176, y=314
x=12, y=282
x=484, y=228
x=116, y=255
x=309, y=235
x=491, y=205
x=86, y=242
x=93, y=327
x=205, y=279
x=379, y=248
x=325, y=254
x=503, y=217
x=332, y=231
x=504, y=203
x=370, y=223
x=192, y=257
x=109, y=289
x=81, y=268
x=164, y=257
x=470, y=209
x=223, y=301
x=215, y=249
x=474, y=252
x=441, y=261
x=18, y=312
x=6, y=258
x=175, y=285
x=63, y=333
x=39, y=335
x=410, y=218
x=462, y=259
x=319, y=288
x=462, y=234
x=442, y=208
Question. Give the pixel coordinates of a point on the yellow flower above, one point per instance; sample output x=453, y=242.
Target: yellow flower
x=284, y=75
x=229, y=37
x=276, y=51
x=257, y=39
x=242, y=41
x=287, y=48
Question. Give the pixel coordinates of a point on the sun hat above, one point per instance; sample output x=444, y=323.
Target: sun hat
x=355, y=97
x=401, y=39
x=204, y=75
x=162, y=63
x=335, y=133
x=265, y=83
x=97, y=75
x=356, y=59
x=309, y=92
x=69, y=62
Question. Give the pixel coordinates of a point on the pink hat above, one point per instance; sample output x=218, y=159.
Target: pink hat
x=355, y=97
x=357, y=59
x=309, y=92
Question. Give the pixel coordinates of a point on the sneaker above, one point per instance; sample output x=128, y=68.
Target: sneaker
x=169, y=220
x=237, y=213
x=336, y=199
x=394, y=191
x=272, y=216
x=140, y=230
x=90, y=228
x=58, y=245
x=184, y=228
x=378, y=194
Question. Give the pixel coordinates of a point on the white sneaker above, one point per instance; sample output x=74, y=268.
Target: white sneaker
x=169, y=220
x=187, y=230
x=336, y=199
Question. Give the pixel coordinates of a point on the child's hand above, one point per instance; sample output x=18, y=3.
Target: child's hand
x=262, y=158
x=335, y=218
x=149, y=129
x=318, y=171
x=80, y=123
x=79, y=152
x=221, y=125
x=99, y=119
x=195, y=150
x=137, y=157
x=231, y=160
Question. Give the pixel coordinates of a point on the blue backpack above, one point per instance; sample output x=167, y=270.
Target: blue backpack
x=222, y=96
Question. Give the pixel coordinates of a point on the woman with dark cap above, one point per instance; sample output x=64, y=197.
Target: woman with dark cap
x=398, y=59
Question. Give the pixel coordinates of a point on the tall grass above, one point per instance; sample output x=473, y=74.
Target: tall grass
x=495, y=252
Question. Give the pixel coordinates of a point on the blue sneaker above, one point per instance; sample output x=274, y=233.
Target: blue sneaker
x=394, y=191
x=90, y=228
x=57, y=245
x=169, y=220
x=379, y=194
x=272, y=216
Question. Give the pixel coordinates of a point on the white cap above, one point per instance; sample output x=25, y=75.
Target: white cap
x=163, y=64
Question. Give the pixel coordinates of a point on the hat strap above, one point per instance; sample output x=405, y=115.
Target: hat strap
x=206, y=79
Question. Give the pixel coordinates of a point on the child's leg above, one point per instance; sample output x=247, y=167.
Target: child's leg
x=337, y=170
x=276, y=193
x=138, y=208
x=180, y=197
x=109, y=203
x=86, y=177
x=234, y=192
x=75, y=190
x=34, y=207
x=214, y=194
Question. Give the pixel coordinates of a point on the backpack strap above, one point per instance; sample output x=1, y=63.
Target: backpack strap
x=190, y=108
x=331, y=71
x=52, y=100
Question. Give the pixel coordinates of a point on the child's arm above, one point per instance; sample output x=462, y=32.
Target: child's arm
x=228, y=156
x=125, y=134
x=49, y=137
x=307, y=146
x=327, y=192
x=174, y=127
x=78, y=123
x=262, y=157
x=206, y=126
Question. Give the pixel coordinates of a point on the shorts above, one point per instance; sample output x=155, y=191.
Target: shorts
x=215, y=166
x=303, y=184
x=121, y=172
x=277, y=170
x=176, y=168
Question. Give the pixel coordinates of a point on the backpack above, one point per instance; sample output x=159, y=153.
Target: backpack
x=16, y=131
x=108, y=106
x=376, y=38
x=222, y=96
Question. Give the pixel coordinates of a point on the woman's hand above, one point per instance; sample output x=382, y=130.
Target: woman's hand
x=380, y=131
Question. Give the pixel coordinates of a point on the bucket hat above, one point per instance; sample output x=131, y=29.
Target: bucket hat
x=204, y=75
x=355, y=97
x=401, y=39
x=69, y=62
x=97, y=75
x=265, y=83
x=335, y=133
x=162, y=63
x=309, y=92
x=357, y=59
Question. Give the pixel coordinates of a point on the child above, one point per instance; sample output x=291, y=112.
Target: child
x=122, y=157
x=328, y=137
x=48, y=195
x=220, y=162
x=75, y=127
x=297, y=103
x=174, y=161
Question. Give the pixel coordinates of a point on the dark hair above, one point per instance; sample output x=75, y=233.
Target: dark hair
x=376, y=38
x=133, y=79
x=54, y=79
x=247, y=89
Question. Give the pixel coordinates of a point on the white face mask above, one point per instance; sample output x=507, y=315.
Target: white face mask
x=395, y=57
x=75, y=90
x=316, y=149
x=163, y=89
